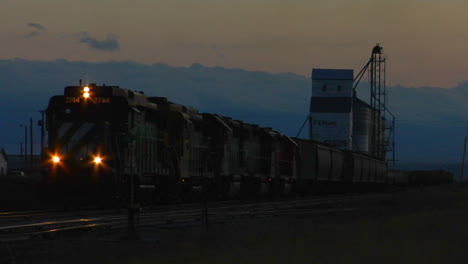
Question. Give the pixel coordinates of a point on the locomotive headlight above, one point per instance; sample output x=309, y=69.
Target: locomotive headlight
x=97, y=160
x=55, y=159
x=86, y=91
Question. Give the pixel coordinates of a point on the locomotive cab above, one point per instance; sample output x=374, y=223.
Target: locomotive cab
x=90, y=139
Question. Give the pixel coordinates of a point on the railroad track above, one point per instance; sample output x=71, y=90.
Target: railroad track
x=24, y=216
x=169, y=217
x=6, y=216
x=222, y=213
x=48, y=229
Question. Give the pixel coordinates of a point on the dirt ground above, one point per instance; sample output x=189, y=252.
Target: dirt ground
x=420, y=225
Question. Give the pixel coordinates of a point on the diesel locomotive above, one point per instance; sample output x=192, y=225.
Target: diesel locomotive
x=107, y=143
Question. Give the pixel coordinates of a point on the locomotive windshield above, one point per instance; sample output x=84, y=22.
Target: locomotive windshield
x=89, y=112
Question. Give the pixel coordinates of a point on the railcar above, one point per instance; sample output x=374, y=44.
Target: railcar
x=419, y=177
x=430, y=177
x=323, y=168
x=398, y=178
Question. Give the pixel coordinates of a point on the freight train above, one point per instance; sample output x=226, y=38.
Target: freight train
x=109, y=143
x=419, y=177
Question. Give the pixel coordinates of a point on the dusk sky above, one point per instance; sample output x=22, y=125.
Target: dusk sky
x=425, y=40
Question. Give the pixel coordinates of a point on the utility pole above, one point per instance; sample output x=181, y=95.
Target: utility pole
x=463, y=161
x=42, y=125
x=464, y=154
x=25, y=146
x=31, y=137
x=132, y=207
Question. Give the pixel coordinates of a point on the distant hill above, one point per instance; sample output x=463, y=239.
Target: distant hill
x=430, y=121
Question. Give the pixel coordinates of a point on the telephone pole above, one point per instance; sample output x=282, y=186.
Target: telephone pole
x=464, y=154
x=32, y=143
x=42, y=125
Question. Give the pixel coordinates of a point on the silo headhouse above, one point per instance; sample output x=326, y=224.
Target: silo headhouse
x=339, y=118
x=331, y=119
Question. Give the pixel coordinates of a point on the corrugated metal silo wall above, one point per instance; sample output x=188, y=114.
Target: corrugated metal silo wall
x=377, y=134
x=361, y=127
